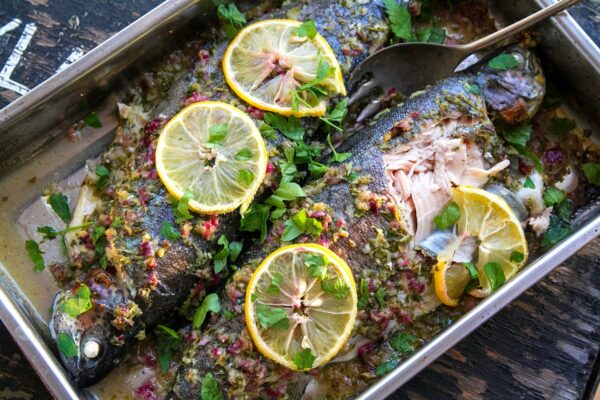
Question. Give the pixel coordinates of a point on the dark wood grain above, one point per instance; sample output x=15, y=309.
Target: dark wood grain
x=544, y=345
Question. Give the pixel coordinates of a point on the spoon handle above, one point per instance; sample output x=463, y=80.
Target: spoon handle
x=517, y=26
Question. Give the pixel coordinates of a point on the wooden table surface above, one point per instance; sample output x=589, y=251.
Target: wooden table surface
x=546, y=344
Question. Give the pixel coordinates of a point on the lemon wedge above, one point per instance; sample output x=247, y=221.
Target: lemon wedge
x=267, y=64
x=215, y=153
x=301, y=305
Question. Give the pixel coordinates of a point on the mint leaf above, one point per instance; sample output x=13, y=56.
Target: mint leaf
x=244, y=154
x=529, y=183
x=495, y=274
x=209, y=303
x=271, y=317
x=561, y=126
x=553, y=196
x=307, y=29
x=60, y=205
x=518, y=135
x=168, y=231
x=592, y=173
x=245, y=176
x=289, y=127
x=403, y=343
x=448, y=217
x=400, y=19
x=35, y=254
x=216, y=136
x=79, y=303
x=503, y=62
x=210, y=388
x=92, y=120
x=304, y=359
x=66, y=345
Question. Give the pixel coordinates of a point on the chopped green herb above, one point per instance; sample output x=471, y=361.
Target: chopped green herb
x=337, y=287
x=272, y=317
x=503, y=62
x=267, y=131
x=517, y=257
x=277, y=213
x=380, y=297
x=79, y=303
x=529, y=183
x=300, y=224
x=335, y=117
x=525, y=152
x=48, y=232
x=97, y=234
x=557, y=231
x=307, y=29
x=181, y=211
x=363, y=293
x=386, y=367
x=210, y=388
x=495, y=274
x=66, y=345
x=289, y=191
x=117, y=223
x=244, y=154
x=403, y=343
x=35, y=254
x=474, y=88
x=316, y=169
x=304, y=359
x=168, y=231
x=561, y=126
x=92, y=120
x=431, y=35
x=448, y=217
x=400, y=19
x=245, y=176
x=317, y=265
x=564, y=209
x=337, y=157
x=60, y=205
x=518, y=135
x=255, y=219
x=103, y=174
x=216, y=135
x=233, y=19
x=209, y=303
x=553, y=196
x=312, y=92
x=275, y=286
x=228, y=315
x=592, y=173
x=472, y=270
x=230, y=250
x=167, y=345
x=289, y=127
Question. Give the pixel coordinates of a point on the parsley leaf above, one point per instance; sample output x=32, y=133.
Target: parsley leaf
x=60, y=205
x=304, y=359
x=289, y=191
x=79, y=303
x=66, y=345
x=592, y=173
x=518, y=135
x=103, y=174
x=271, y=317
x=503, y=62
x=255, y=219
x=561, y=126
x=275, y=286
x=92, y=120
x=48, y=232
x=267, y=131
x=337, y=287
x=400, y=19
x=403, y=343
x=244, y=154
x=300, y=224
x=230, y=250
x=168, y=231
x=216, y=135
x=245, y=176
x=209, y=303
x=35, y=254
x=307, y=29
x=337, y=157
x=495, y=274
x=431, y=35
x=210, y=388
x=232, y=17
x=529, y=183
x=336, y=116
x=290, y=127
x=167, y=345
x=553, y=196
x=448, y=217
x=181, y=211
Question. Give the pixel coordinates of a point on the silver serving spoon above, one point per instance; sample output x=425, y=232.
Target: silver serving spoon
x=408, y=67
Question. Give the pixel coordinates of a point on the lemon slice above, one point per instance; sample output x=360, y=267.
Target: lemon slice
x=500, y=236
x=450, y=281
x=216, y=153
x=301, y=306
x=267, y=61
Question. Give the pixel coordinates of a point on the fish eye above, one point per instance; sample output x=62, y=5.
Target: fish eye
x=91, y=349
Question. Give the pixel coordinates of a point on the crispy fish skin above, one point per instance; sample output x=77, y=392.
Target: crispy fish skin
x=362, y=223
x=145, y=278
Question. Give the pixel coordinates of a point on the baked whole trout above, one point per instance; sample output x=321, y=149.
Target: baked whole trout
x=133, y=276
x=373, y=209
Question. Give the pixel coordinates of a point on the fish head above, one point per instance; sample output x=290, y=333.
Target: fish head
x=513, y=94
x=89, y=343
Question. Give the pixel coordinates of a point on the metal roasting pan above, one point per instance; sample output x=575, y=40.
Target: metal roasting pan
x=32, y=143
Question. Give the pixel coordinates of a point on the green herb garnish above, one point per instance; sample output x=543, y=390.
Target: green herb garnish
x=272, y=317
x=60, y=205
x=92, y=120
x=35, y=254
x=307, y=29
x=304, y=359
x=503, y=62
x=210, y=388
x=168, y=231
x=66, y=345
x=209, y=303
x=216, y=136
x=448, y=217
x=400, y=19
x=495, y=274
